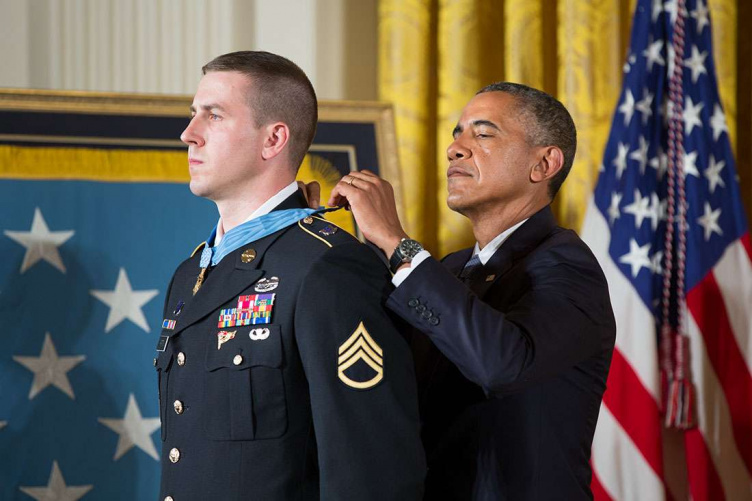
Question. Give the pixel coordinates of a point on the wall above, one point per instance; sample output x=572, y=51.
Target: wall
x=159, y=46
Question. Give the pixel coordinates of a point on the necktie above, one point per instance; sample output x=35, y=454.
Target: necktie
x=471, y=268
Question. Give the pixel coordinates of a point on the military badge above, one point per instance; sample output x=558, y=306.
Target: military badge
x=360, y=364
x=168, y=324
x=308, y=220
x=162, y=343
x=178, y=308
x=328, y=230
x=254, y=309
x=266, y=284
x=223, y=337
x=227, y=318
x=259, y=334
x=248, y=255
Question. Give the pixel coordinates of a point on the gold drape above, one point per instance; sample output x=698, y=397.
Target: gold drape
x=435, y=54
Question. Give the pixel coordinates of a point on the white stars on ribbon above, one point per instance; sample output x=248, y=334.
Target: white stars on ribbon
x=125, y=303
x=718, y=122
x=613, y=209
x=621, y=159
x=641, y=154
x=700, y=14
x=639, y=208
x=637, y=257
x=627, y=107
x=696, y=63
x=133, y=430
x=691, y=115
x=56, y=489
x=709, y=221
x=40, y=243
x=713, y=174
x=653, y=54
x=50, y=369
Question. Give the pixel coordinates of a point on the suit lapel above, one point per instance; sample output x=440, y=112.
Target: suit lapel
x=231, y=276
x=456, y=261
x=519, y=244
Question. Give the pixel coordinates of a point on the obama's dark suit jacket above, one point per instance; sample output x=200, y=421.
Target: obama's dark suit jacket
x=512, y=365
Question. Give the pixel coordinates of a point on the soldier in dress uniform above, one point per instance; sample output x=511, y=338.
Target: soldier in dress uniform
x=281, y=375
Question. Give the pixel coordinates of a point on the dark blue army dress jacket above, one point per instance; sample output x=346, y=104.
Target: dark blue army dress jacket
x=284, y=378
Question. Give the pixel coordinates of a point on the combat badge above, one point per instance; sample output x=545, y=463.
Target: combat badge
x=259, y=334
x=267, y=284
x=360, y=347
x=223, y=337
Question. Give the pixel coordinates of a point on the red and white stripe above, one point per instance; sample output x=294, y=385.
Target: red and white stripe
x=629, y=452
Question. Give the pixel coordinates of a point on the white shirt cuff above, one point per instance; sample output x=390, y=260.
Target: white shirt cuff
x=402, y=274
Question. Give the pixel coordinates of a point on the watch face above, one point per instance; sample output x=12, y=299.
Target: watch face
x=409, y=248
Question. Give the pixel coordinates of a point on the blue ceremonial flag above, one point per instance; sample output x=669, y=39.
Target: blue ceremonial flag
x=84, y=271
x=667, y=224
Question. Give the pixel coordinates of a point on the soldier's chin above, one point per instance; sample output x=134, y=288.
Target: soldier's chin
x=198, y=189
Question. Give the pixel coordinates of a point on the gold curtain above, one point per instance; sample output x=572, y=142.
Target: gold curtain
x=435, y=54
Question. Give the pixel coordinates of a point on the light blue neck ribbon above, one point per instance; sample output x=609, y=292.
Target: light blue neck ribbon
x=251, y=231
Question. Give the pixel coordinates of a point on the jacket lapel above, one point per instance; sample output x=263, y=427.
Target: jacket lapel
x=519, y=244
x=456, y=261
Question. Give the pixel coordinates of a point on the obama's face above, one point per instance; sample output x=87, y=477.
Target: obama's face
x=490, y=159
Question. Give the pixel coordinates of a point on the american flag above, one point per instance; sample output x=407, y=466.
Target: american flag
x=669, y=77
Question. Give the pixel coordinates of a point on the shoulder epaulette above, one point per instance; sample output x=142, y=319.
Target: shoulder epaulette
x=198, y=248
x=321, y=229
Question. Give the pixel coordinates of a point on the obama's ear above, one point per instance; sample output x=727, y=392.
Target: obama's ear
x=550, y=163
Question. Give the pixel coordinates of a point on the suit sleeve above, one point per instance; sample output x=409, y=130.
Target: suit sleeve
x=562, y=316
x=361, y=380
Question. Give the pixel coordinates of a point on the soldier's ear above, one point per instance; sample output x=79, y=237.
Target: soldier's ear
x=550, y=162
x=276, y=137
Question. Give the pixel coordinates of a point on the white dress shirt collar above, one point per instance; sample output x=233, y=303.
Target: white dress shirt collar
x=489, y=250
x=263, y=209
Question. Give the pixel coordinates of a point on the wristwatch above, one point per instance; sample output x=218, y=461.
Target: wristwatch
x=404, y=253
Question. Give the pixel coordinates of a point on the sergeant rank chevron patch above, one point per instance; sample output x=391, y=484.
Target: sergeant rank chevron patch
x=360, y=364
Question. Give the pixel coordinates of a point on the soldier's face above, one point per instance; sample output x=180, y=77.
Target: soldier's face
x=490, y=159
x=224, y=144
